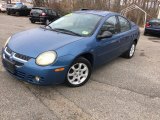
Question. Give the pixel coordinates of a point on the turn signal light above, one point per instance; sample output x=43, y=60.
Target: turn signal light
x=59, y=69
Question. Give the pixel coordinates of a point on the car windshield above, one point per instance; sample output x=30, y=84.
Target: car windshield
x=18, y=5
x=77, y=23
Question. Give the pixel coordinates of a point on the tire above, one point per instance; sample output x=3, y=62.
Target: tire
x=17, y=13
x=79, y=72
x=8, y=13
x=130, y=52
x=145, y=33
x=32, y=21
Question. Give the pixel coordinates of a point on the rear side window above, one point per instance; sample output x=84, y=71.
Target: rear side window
x=124, y=24
x=110, y=25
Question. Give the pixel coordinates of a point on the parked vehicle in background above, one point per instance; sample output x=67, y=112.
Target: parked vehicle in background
x=152, y=27
x=42, y=14
x=68, y=49
x=4, y=6
x=19, y=9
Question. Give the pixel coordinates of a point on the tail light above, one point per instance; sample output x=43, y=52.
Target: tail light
x=43, y=14
x=148, y=25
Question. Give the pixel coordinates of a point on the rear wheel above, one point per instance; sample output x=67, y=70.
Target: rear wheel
x=32, y=21
x=8, y=13
x=17, y=13
x=130, y=53
x=79, y=72
x=145, y=33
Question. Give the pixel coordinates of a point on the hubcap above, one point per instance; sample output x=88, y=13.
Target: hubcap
x=78, y=73
x=132, y=50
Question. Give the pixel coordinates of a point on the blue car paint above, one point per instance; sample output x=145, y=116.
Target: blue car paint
x=44, y=40
x=68, y=48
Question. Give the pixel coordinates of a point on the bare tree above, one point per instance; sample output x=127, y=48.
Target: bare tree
x=66, y=6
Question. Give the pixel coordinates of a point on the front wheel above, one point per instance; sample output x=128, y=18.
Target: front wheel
x=130, y=53
x=79, y=72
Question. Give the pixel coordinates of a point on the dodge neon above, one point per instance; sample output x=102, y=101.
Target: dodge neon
x=68, y=49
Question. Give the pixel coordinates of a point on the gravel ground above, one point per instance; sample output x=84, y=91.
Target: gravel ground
x=120, y=90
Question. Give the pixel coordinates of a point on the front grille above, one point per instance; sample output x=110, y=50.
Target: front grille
x=9, y=50
x=18, y=56
x=30, y=77
x=23, y=57
x=20, y=74
x=16, y=62
x=7, y=57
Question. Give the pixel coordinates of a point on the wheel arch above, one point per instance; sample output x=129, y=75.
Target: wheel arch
x=136, y=41
x=88, y=56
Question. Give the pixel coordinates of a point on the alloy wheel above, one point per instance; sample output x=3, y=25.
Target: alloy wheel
x=132, y=50
x=78, y=73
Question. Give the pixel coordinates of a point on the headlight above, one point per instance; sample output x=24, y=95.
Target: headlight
x=7, y=42
x=46, y=58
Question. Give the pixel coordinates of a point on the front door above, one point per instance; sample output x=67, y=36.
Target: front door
x=108, y=48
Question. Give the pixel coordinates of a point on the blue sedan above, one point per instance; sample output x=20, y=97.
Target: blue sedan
x=68, y=49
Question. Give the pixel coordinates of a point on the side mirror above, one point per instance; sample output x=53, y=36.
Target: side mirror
x=105, y=34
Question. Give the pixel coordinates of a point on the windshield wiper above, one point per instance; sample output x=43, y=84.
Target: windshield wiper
x=45, y=27
x=67, y=31
x=49, y=27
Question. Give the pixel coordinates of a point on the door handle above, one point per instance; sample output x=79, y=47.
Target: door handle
x=116, y=41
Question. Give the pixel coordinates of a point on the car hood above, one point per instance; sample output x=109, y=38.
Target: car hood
x=36, y=41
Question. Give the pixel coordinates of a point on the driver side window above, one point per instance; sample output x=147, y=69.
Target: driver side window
x=110, y=25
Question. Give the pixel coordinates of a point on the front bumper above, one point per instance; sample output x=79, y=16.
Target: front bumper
x=29, y=70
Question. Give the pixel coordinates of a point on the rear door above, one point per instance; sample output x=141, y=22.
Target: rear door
x=125, y=33
x=54, y=15
x=50, y=16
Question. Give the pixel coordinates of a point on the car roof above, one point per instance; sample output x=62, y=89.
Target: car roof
x=40, y=8
x=97, y=12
